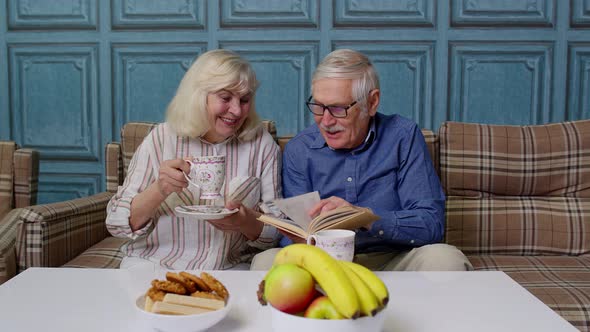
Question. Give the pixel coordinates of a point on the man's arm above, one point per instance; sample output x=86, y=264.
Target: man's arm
x=294, y=183
x=421, y=218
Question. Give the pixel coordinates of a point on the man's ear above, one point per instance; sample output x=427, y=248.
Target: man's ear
x=373, y=101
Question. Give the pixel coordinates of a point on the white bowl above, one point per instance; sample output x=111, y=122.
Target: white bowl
x=284, y=322
x=180, y=323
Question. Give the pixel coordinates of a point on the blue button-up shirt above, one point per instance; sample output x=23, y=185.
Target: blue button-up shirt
x=391, y=173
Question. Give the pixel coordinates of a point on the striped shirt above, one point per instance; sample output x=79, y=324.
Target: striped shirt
x=178, y=243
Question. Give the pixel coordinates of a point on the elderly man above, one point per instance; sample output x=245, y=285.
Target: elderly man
x=354, y=155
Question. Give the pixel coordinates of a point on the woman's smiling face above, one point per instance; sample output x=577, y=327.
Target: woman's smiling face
x=226, y=112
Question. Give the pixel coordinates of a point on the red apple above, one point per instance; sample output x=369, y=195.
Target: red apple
x=322, y=308
x=289, y=288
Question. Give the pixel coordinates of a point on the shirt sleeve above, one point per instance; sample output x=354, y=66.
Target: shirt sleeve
x=295, y=180
x=421, y=220
x=270, y=181
x=140, y=175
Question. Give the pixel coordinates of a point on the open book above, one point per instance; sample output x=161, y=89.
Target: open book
x=301, y=225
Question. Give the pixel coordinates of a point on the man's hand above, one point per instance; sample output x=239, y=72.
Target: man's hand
x=171, y=178
x=243, y=221
x=327, y=204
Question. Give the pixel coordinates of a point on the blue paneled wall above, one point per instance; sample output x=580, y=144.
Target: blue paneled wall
x=73, y=72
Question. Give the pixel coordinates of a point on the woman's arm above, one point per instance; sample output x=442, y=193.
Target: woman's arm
x=170, y=180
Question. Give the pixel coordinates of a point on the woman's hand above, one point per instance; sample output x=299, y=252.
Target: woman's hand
x=171, y=178
x=243, y=221
x=327, y=204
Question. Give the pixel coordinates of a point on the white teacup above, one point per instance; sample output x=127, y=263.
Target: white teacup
x=339, y=243
x=207, y=173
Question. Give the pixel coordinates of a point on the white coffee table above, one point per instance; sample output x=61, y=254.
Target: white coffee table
x=60, y=299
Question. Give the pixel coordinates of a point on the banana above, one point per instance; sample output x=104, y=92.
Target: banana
x=372, y=281
x=327, y=273
x=367, y=300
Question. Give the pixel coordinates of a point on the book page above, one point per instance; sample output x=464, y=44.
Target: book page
x=286, y=225
x=332, y=215
x=346, y=217
x=297, y=207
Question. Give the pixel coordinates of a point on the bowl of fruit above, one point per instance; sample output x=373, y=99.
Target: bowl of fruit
x=308, y=290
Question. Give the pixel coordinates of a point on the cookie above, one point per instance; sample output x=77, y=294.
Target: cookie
x=169, y=286
x=155, y=294
x=187, y=283
x=201, y=285
x=215, y=285
x=205, y=295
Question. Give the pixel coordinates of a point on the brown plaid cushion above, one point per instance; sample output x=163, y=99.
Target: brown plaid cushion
x=561, y=282
x=7, y=245
x=26, y=177
x=106, y=254
x=519, y=225
x=51, y=235
x=483, y=160
x=271, y=127
x=6, y=177
x=132, y=134
x=517, y=190
x=114, y=166
x=432, y=145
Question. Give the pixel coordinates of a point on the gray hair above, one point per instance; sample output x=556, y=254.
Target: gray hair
x=212, y=71
x=350, y=64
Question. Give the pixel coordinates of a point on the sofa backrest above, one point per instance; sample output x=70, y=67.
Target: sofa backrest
x=19, y=177
x=482, y=160
x=133, y=133
x=6, y=179
x=517, y=189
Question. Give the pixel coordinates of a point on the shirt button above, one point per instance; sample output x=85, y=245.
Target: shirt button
x=349, y=179
x=381, y=232
x=412, y=241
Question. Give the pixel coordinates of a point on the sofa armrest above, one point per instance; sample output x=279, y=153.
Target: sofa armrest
x=50, y=235
x=113, y=166
x=8, y=245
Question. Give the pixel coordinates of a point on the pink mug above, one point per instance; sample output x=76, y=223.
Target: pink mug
x=208, y=174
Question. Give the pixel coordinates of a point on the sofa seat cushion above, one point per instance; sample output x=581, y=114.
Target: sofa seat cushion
x=517, y=225
x=105, y=254
x=561, y=282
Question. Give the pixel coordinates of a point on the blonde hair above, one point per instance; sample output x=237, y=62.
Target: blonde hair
x=212, y=71
x=350, y=64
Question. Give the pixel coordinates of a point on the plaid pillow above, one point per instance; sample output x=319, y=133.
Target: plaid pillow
x=432, y=145
x=521, y=190
x=480, y=160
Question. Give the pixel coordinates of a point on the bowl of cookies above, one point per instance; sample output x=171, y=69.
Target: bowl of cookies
x=183, y=302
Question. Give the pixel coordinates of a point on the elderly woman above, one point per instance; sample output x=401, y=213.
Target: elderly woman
x=211, y=114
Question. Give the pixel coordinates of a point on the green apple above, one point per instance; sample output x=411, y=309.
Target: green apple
x=322, y=308
x=289, y=288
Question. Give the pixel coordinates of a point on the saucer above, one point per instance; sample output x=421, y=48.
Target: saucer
x=203, y=211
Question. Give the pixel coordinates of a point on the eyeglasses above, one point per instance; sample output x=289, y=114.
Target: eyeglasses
x=335, y=111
